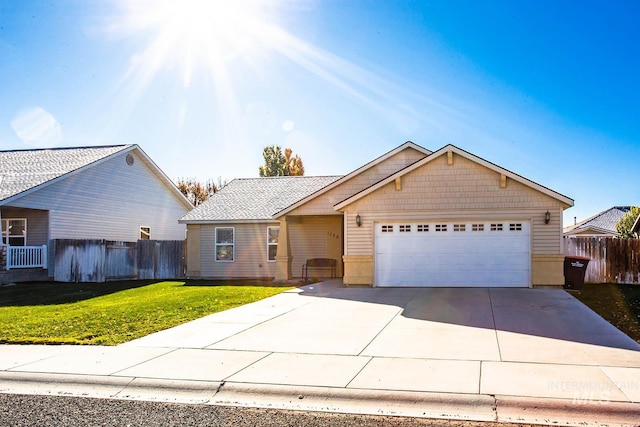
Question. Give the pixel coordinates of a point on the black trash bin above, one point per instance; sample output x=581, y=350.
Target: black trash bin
x=574, y=269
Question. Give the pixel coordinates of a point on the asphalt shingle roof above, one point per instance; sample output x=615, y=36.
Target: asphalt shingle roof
x=21, y=170
x=257, y=198
x=605, y=220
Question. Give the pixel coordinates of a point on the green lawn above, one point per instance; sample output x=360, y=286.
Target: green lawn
x=618, y=304
x=114, y=312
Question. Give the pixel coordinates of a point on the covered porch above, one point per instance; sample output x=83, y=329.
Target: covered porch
x=23, y=246
x=305, y=237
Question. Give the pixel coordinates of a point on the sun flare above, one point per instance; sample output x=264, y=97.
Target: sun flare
x=222, y=42
x=192, y=35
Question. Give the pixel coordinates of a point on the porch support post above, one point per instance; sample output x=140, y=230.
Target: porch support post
x=283, y=256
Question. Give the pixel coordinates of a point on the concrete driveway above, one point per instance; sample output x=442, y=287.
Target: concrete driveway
x=521, y=343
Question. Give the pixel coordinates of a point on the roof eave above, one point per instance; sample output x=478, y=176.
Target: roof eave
x=560, y=197
x=356, y=172
x=163, y=177
x=591, y=218
x=578, y=231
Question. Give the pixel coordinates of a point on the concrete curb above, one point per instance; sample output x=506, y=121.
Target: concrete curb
x=451, y=406
x=359, y=401
x=109, y=387
x=514, y=409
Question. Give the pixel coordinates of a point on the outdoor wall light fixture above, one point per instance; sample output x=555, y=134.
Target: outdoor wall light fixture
x=547, y=217
x=358, y=220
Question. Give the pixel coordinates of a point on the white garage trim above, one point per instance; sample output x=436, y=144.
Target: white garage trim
x=477, y=253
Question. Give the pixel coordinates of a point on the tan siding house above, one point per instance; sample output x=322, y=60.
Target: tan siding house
x=249, y=257
x=107, y=192
x=412, y=217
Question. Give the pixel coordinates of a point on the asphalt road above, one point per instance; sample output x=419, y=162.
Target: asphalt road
x=45, y=411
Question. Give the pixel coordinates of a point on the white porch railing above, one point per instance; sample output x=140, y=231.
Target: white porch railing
x=26, y=256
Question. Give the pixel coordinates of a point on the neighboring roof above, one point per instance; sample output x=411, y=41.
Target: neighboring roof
x=255, y=199
x=358, y=171
x=25, y=171
x=603, y=222
x=564, y=199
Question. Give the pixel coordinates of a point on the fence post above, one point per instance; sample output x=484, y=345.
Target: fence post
x=4, y=251
x=44, y=260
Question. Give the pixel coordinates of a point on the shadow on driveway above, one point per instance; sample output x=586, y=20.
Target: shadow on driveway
x=545, y=313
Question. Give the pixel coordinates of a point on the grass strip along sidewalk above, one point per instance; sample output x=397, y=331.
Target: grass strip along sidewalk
x=114, y=312
x=619, y=304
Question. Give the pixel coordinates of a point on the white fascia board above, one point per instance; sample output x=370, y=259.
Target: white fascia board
x=356, y=172
x=564, y=199
x=600, y=230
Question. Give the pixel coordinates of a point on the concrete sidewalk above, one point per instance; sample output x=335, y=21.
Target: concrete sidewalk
x=512, y=355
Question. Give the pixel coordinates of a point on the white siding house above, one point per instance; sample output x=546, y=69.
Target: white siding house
x=111, y=193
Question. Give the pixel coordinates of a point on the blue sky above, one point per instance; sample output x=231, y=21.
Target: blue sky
x=549, y=90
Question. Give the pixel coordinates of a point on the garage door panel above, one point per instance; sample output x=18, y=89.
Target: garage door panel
x=477, y=253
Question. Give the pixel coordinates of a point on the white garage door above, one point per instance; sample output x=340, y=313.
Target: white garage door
x=445, y=253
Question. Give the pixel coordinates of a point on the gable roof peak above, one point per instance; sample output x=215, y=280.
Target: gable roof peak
x=604, y=221
x=361, y=169
x=450, y=147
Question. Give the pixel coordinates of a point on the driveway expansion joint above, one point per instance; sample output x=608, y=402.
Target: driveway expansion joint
x=544, y=354
x=359, y=371
x=495, y=326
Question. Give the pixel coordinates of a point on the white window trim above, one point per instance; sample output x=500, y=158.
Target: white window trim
x=232, y=244
x=272, y=244
x=6, y=227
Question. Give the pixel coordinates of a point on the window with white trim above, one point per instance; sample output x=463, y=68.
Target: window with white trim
x=423, y=228
x=459, y=227
x=496, y=227
x=441, y=227
x=225, y=243
x=477, y=227
x=272, y=242
x=14, y=231
x=404, y=228
x=387, y=228
x=515, y=227
x=145, y=233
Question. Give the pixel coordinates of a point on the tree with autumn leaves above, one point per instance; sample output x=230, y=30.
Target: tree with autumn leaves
x=277, y=163
x=196, y=191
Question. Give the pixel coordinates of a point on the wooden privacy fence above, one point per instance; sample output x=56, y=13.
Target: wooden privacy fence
x=612, y=260
x=103, y=260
